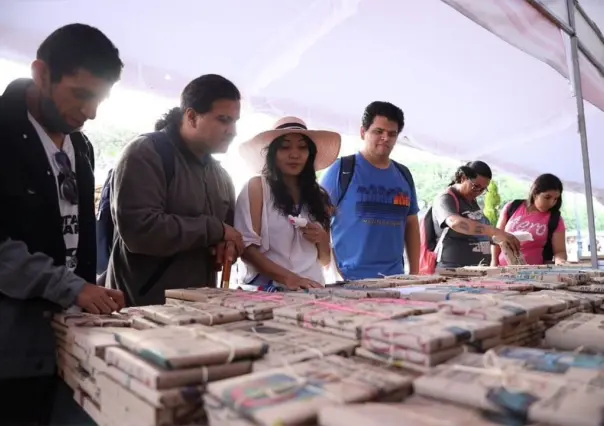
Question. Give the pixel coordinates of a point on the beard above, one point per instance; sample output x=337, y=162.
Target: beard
x=50, y=116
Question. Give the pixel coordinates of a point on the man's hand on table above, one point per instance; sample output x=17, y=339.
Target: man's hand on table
x=100, y=300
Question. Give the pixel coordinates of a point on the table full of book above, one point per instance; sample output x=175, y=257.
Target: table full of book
x=518, y=345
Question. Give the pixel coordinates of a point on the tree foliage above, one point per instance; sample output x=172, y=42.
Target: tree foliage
x=431, y=178
x=108, y=143
x=492, y=203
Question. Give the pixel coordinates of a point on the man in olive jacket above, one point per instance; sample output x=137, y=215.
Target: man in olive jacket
x=172, y=202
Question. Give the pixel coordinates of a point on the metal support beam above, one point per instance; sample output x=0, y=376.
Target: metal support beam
x=589, y=21
x=550, y=16
x=576, y=82
x=539, y=7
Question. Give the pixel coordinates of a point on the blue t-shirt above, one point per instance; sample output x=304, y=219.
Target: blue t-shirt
x=368, y=230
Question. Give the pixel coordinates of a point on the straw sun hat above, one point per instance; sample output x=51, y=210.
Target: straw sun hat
x=328, y=143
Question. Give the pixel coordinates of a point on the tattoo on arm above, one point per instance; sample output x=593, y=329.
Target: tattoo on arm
x=468, y=227
x=462, y=226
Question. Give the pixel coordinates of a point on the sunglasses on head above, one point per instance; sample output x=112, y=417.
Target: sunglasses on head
x=68, y=186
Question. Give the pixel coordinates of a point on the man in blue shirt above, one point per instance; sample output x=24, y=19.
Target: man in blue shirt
x=376, y=203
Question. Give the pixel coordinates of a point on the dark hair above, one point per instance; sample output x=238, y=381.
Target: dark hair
x=200, y=95
x=80, y=46
x=546, y=182
x=383, y=109
x=472, y=170
x=312, y=195
x=171, y=118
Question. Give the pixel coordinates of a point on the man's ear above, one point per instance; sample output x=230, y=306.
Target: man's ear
x=363, y=131
x=191, y=116
x=40, y=73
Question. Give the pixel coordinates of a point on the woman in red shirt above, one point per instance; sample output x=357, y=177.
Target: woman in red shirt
x=539, y=216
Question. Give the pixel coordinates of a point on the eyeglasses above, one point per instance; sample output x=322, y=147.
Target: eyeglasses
x=478, y=188
x=68, y=185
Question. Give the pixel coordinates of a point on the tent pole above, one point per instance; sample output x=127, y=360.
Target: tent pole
x=576, y=83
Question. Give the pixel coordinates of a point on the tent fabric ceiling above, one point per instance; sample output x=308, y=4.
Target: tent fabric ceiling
x=466, y=92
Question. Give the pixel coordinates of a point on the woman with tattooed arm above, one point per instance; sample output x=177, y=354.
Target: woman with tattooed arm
x=465, y=232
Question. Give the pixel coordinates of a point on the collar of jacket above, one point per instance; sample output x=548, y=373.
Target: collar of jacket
x=15, y=97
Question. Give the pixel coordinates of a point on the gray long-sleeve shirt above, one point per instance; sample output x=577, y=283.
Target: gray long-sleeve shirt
x=26, y=276
x=31, y=288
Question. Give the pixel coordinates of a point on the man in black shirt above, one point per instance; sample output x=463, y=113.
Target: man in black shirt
x=47, y=220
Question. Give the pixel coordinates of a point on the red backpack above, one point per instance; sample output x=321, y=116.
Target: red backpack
x=430, y=241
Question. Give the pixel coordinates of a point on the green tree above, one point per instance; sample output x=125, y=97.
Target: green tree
x=108, y=143
x=492, y=203
x=431, y=179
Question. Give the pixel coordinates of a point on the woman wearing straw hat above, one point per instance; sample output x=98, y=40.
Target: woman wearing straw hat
x=283, y=214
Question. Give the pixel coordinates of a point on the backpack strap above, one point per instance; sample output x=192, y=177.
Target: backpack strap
x=106, y=193
x=404, y=170
x=347, y=164
x=514, y=205
x=165, y=149
x=453, y=195
x=552, y=225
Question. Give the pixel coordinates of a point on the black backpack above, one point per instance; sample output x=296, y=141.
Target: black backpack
x=104, y=224
x=347, y=166
x=554, y=219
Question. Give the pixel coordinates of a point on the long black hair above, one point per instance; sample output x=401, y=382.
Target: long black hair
x=312, y=196
x=200, y=94
x=546, y=182
x=472, y=170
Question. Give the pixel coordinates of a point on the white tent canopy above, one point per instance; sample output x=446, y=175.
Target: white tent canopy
x=467, y=93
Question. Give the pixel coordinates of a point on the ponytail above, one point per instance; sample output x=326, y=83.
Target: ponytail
x=171, y=118
x=461, y=172
x=199, y=95
x=472, y=170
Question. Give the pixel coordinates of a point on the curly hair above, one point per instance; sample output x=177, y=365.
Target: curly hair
x=312, y=196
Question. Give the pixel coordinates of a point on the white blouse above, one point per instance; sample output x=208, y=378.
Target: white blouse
x=279, y=240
